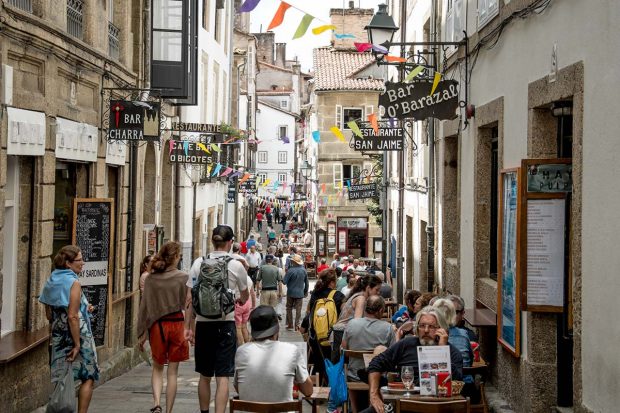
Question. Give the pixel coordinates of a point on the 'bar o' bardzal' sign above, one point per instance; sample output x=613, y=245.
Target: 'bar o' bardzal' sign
x=388, y=139
x=133, y=120
x=363, y=191
x=184, y=151
x=413, y=100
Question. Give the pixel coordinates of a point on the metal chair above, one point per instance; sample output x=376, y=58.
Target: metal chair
x=438, y=406
x=265, y=407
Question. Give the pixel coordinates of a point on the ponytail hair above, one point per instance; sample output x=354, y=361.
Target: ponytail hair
x=368, y=280
x=166, y=256
x=325, y=278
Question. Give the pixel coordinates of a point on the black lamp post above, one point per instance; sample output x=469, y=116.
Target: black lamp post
x=306, y=169
x=381, y=30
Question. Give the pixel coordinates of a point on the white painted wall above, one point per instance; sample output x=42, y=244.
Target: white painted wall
x=268, y=121
x=588, y=32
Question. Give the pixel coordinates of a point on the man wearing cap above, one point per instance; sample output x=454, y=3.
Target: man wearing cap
x=296, y=281
x=216, y=339
x=286, y=364
x=269, y=282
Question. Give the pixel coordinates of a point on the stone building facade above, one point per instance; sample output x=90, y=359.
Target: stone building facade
x=58, y=66
x=541, y=92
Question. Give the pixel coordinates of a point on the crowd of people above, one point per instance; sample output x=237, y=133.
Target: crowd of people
x=237, y=285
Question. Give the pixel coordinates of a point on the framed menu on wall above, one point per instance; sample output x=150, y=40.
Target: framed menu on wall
x=93, y=232
x=508, y=254
x=544, y=250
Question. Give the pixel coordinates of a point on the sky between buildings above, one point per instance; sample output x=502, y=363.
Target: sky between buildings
x=302, y=47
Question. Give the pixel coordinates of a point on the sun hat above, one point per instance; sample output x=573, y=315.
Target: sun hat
x=264, y=322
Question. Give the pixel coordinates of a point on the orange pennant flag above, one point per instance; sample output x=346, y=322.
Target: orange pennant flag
x=278, y=18
x=245, y=178
x=372, y=118
x=395, y=59
x=323, y=188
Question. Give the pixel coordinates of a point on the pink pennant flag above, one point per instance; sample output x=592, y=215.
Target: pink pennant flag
x=226, y=171
x=171, y=144
x=362, y=47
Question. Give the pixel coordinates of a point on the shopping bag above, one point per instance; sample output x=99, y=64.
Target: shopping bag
x=338, y=392
x=62, y=399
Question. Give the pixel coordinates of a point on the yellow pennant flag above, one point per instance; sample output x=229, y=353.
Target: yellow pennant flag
x=209, y=169
x=321, y=29
x=414, y=73
x=266, y=182
x=203, y=147
x=353, y=126
x=436, y=82
x=338, y=133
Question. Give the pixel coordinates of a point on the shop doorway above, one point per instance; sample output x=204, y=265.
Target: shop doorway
x=9, y=262
x=358, y=241
x=353, y=236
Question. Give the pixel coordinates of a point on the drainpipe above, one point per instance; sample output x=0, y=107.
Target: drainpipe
x=430, y=227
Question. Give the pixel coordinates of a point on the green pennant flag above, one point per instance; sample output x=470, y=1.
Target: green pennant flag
x=353, y=126
x=303, y=26
x=416, y=71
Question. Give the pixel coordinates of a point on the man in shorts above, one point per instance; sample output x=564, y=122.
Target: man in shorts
x=216, y=339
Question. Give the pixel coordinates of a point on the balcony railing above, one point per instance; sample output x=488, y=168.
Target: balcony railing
x=113, y=41
x=75, y=17
x=25, y=5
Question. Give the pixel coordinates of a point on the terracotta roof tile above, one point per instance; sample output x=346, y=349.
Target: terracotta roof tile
x=337, y=70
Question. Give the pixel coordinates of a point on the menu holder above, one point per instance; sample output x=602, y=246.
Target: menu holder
x=434, y=363
x=545, y=268
x=93, y=233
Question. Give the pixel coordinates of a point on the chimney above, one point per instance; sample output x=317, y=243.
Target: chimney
x=350, y=21
x=280, y=54
x=264, y=48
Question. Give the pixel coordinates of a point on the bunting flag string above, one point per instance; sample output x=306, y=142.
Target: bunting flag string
x=226, y=171
x=245, y=177
x=395, y=59
x=171, y=146
x=336, y=131
x=324, y=28
x=185, y=147
x=353, y=126
x=209, y=167
x=266, y=182
x=235, y=174
x=203, y=147
x=278, y=18
x=379, y=48
x=216, y=148
x=323, y=188
x=416, y=71
x=316, y=135
x=372, y=118
x=248, y=6
x=303, y=26
x=217, y=169
x=362, y=47
x=340, y=36
x=435, y=82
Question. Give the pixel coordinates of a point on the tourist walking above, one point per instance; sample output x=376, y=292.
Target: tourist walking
x=259, y=221
x=72, y=345
x=296, y=281
x=216, y=338
x=269, y=281
x=161, y=320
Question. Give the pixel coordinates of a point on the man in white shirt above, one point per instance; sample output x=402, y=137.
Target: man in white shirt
x=307, y=239
x=216, y=339
x=253, y=259
x=286, y=364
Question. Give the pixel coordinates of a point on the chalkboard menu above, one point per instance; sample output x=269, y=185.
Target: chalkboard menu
x=93, y=232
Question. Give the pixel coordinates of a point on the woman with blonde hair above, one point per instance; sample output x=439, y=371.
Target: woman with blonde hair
x=161, y=319
x=72, y=337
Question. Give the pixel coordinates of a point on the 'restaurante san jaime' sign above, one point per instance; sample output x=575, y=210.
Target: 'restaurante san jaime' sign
x=414, y=100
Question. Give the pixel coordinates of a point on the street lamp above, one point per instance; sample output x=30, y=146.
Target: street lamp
x=381, y=30
x=306, y=169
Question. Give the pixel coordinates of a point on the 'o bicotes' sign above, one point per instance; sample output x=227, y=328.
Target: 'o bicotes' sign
x=413, y=100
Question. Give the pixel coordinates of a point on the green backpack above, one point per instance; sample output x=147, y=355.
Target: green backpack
x=211, y=295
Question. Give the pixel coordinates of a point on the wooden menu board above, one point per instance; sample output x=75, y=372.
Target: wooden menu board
x=547, y=185
x=93, y=232
x=508, y=269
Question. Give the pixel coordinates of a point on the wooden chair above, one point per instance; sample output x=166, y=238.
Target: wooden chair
x=482, y=371
x=355, y=386
x=265, y=407
x=438, y=406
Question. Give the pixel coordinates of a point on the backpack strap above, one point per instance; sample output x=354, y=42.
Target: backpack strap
x=331, y=295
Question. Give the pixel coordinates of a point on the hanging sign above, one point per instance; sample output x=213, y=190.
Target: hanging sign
x=248, y=186
x=414, y=100
x=232, y=191
x=188, y=152
x=196, y=127
x=134, y=121
x=364, y=191
x=384, y=139
x=550, y=177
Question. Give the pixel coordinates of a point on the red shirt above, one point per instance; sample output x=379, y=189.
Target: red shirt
x=243, y=247
x=321, y=268
x=259, y=216
x=267, y=210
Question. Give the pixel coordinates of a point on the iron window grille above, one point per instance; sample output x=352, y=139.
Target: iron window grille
x=113, y=41
x=25, y=5
x=75, y=17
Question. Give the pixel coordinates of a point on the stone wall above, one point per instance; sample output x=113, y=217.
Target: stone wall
x=350, y=21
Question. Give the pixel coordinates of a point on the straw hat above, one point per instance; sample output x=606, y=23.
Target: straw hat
x=297, y=259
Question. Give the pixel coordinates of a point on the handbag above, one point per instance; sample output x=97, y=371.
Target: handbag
x=338, y=392
x=62, y=399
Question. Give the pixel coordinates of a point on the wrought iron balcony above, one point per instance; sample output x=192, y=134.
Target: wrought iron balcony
x=113, y=41
x=75, y=18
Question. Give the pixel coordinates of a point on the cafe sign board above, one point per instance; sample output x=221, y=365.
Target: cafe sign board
x=248, y=186
x=353, y=223
x=363, y=191
x=232, y=191
x=134, y=120
x=385, y=139
x=414, y=100
x=188, y=152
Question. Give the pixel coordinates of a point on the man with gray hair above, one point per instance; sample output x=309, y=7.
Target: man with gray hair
x=459, y=306
x=432, y=330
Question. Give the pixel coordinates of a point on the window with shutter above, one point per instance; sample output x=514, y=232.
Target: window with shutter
x=337, y=175
x=487, y=10
x=339, y=116
x=368, y=109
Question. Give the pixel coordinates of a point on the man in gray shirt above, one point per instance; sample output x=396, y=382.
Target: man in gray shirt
x=269, y=281
x=367, y=332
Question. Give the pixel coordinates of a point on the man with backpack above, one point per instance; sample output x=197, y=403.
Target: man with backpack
x=220, y=281
x=297, y=284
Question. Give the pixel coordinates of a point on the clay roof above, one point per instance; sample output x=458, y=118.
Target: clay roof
x=275, y=107
x=337, y=69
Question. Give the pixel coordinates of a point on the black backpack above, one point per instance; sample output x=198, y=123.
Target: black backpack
x=211, y=295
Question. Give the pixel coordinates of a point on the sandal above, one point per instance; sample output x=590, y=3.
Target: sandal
x=156, y=409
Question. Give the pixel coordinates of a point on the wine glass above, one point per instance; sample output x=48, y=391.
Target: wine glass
x=406, y=375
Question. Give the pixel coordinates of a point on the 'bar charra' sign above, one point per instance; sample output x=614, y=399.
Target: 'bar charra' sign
x=414, y=100
x=134, y=120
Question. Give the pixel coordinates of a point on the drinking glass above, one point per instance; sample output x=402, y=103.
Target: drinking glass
x=406, y=375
